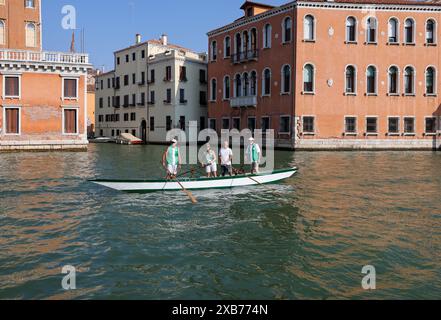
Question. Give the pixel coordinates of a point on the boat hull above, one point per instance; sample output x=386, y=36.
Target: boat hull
x=197, y=184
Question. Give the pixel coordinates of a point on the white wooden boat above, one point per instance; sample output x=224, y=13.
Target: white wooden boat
x=140, y=186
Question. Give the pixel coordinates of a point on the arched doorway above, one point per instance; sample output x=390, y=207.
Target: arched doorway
x=144, y=131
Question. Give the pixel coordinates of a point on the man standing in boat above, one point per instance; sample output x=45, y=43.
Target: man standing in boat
x=254, y=154
x=226, y=159
x=171, y=160
x=211, y=162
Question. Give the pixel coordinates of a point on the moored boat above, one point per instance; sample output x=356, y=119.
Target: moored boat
x=197, y=183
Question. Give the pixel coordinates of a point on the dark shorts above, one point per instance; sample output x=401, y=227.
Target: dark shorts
x=226, y=170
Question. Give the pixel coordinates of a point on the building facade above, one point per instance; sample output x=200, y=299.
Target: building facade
x=43, y=94
x=155, y=87
x=343, y=74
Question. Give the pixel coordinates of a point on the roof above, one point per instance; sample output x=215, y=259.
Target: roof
x=398, y=2
x=158, y=42
x=256, y=4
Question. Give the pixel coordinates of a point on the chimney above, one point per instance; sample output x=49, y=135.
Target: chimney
x=164, y=39
x=138, y=38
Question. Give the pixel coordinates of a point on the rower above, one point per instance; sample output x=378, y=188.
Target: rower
x=226, y=159
x=253, y=155
x=210, y=162
x=171, y=160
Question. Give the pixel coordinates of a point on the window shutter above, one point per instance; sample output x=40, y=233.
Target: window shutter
x=70, y=121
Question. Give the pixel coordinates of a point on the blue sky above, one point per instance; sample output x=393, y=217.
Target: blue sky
x=112, y=25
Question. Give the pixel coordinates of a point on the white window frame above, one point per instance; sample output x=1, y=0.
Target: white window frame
x=30, y=7
x=414, y=26
x=5, y=33
x=35, y=44
x=265, y=39
x=229, y=123
x=313, y=28
x=346, y=30
x=315, y=125
x=213, y=51
x=11, y=75
x=289, y=125
x=263, y=82
x=413, y=93
x=225, y=47
x=211, y=90
x=77, y=79
x=224, y=88
x=345, y=132
x=255, y=122
x=376, y=31
x=77, y=109
x=284, y=31
x=436, y=126
x=303, y=79
x=373, y=134
x=409, y=134
x=394, y=134
x=355, y=80
x=5, y=107
x=398, y=27
x=435, y=81
x=398, y=81
x=435, y=32
x=282, y=82
x=209, y=123
x=376, y=81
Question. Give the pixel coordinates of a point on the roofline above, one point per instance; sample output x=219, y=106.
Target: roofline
x=256, y=4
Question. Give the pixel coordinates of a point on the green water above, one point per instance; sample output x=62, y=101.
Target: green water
x=341, y=212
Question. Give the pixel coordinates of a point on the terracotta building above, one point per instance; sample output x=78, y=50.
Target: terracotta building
x=43, y=94
x=342, y=74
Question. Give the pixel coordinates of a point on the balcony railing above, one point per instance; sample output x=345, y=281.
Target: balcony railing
x=247, y=101
x=44, y=57
x=244, y=56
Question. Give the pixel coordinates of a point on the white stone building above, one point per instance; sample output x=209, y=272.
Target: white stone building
x=155, y=87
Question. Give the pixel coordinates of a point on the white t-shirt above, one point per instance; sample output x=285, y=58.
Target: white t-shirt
x=226, y=155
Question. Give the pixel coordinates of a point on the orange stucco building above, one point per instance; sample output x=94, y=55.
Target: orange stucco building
x=342, y=74
x=43, y=94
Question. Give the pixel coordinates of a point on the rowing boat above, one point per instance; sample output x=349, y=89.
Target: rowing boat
x=138, y=186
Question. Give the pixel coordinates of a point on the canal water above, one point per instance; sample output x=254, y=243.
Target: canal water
x=309, y=238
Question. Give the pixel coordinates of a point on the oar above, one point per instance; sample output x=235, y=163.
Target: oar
x=189, y=194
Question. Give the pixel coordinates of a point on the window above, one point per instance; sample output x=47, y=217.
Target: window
x=182, y=96
x=350, y=125
x=371, y=80
x=351, y=29
x=252, y=124
x=29, y=4
x=409, y=31
x=168, y=123
x=134, y=56
x=213, y=95
x=227, y=47
x=236, y=123
x=127, y=58
x=2, y=32
x=371, y=30
x=393, y=126
x=12, y=119
x=265, y=124
x=70, y=88
x=308, y=78
x=287, y=30
x=246, y=84
x=70, y=121
x=285, y=123
x=308, y=28
x=308, y=125
x=350, y=80
x=31, y=35
x=253, y=83
x=393, y=30
x=213, y=51
x=152, y=124
x=168, y=73
x=133, y=116
x=101, y=103
x=430, y=31
x=143, y=54
x=409, y=125
x=126, y=117
x=118, y=60
x=142, y=78
x=12, y=86
x=393, y=80
x=430, y=81
x=152, y=97
x=430, y=125
x=238, y=86
x=226, y=124
x=126, y=80
x=286, y=79
x=212, y=124
x=108, y=83
x=152, y=76
x=202, y=98
x=133, y=100
x=126, y=101
x=202, y=124
x=266, y=82
x=227, y=87
x=409, y=79
x=168, y=96
x=182, y=123
x=371, y=125
x=238, y=46
x=267, y=30
x=134, y=78
x=202, y=76
x=183, y=73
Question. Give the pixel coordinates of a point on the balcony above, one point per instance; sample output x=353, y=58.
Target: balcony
x=44, y=57
x=248, y=101
x=245, y=56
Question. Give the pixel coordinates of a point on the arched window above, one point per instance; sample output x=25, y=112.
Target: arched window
x=308, y=78
x=371, y=80
x=393, y=30
x=308, y=28
x=245, y=42
x=409, y=79
x=266, y=82
x=409, y=31
x=30, y=4
x=430, y=31
x=246, y=84
x=287, y=29
x=2, y=32
x=213, y=51
x=371, y=30
x=267, y=30
x=430, y=80
x=351, y=29
x=213, y=90
x=238, y=86
x=253, y=39
x=238, y=44
x=227, y=88
x=227, y=47
x=253, y=83
x=393, y=80
x=286, y=79
x=31, y=35
x=350, y=80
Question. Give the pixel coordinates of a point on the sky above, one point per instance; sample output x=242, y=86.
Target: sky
x=112, y=25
